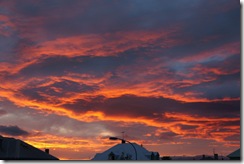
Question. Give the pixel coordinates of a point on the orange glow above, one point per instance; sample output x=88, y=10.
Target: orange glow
x=108, y=44
x=182, y=116
x=58, y=144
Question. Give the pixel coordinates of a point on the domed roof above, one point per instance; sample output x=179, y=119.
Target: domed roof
x=125, y=151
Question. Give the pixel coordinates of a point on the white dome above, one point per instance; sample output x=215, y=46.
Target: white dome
x=125, y=151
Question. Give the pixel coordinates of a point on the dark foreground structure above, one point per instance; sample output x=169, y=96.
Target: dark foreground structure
x=235, y=155
x=14, y=149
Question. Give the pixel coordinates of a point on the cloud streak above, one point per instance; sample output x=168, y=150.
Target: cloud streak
x=13, y=131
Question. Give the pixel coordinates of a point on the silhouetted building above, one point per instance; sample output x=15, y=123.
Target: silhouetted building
x=216, y=156
x=204, y=157
x=16, y=149
x=199, y=157
x=125, y=151
x=166, y=158
x=235, y=155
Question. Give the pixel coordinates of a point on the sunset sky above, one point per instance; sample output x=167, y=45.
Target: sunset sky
x=167, y=72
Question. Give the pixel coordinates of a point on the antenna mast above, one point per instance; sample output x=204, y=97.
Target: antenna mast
x=123, y=135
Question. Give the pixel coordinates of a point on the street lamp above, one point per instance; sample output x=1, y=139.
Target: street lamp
x=123, y=141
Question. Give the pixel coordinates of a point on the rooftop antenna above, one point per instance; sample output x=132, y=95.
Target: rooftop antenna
x=123, y=135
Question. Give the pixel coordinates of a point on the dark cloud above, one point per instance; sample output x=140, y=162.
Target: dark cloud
x=13, y=131
x=7, y=48
x=131, y=105
x=33, y=94
x=224, y=86
x=235, y=137
x=125, y=105
x=70, y=86
x=168, y=135
x=60, y=65
x=231, y=123
x=187, y=127
x=225, y=74
x=209, y=20
x=112, y=16
x=211, y=109
x=50, y=66
x=56, y=90
x=226, y=65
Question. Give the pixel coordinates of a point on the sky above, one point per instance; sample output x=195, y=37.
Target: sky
x=167, y=73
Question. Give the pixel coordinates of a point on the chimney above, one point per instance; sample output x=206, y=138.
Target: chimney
x=47, y=151
x=203, y=156
x=216, y=156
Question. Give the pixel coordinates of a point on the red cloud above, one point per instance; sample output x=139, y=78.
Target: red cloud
x=222, y=51
x=205, y=127
x=108, y=44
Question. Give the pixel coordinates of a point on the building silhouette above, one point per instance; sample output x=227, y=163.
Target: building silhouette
x=235, y=155
x=15, y=149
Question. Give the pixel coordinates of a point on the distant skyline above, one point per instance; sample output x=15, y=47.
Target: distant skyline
x=167, y=73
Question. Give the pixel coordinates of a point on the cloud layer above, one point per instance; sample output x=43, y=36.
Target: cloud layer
x=159, y=70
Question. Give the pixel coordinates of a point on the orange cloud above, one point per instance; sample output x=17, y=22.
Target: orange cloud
x=10, y=90
x=194, y=118
x=222, y=51
x=214, y=70
x=108, y=44
x=206, y=127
